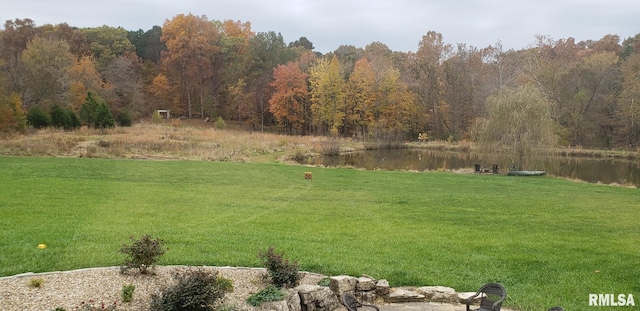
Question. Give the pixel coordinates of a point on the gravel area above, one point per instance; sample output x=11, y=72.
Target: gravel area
x=69, y=289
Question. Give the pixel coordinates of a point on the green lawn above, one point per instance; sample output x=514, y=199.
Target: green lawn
x=548, y=241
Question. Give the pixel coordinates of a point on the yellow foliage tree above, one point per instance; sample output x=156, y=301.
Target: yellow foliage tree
x=361, y=96
x=328, y=95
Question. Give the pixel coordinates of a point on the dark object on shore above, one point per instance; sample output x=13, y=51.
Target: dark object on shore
x=526, y=173
x=478, y=169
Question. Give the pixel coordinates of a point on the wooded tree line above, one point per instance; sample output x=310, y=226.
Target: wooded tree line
x=201, y=68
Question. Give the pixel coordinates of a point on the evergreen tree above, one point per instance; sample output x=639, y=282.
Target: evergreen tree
x=75, y=122
x=104, y=118
x=89, y=110
x=60, y=117
x=38, y=118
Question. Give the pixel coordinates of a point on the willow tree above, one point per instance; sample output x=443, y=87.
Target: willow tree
x=518, y=127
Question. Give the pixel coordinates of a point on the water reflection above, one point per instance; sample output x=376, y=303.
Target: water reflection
x=587, y=169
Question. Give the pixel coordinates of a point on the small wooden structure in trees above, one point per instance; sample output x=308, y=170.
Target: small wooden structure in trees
x=164, y=113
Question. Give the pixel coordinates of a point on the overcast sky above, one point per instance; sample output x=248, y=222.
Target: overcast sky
x=400, y=24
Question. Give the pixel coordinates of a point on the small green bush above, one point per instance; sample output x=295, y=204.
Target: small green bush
x=127, y=292
x=219, y=124
x=196, y=289
x=60, y=118
x=224, y=284
x=142, y=253
x=270, y=293
x=124, y=119
x=282, y=273
x=75, y=121
x=38, y=118
x=36, y=283
x=324, y=282
x=59, y=309
x=156, y=118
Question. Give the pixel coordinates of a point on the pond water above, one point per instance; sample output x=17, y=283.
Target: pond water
x=588, y=169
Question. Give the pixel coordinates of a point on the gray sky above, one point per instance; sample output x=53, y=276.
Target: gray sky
x=400, y=24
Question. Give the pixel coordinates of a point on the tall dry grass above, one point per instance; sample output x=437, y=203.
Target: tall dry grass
x=164, y=141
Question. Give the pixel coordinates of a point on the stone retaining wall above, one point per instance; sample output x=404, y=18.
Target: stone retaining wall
x=366, y=289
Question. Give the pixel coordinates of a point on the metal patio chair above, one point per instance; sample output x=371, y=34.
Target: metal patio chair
x=352, y=304
x=494, y=295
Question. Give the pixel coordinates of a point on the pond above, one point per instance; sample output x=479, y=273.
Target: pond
x=588, y=169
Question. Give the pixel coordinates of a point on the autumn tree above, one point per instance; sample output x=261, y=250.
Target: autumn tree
x=161, y=91
x=191, y=47
x=288, y=103
x=517, y=127
x=125, y=79
x=46, y=69
x=589, y=92
x=78, y=44
x=327, y=95
x=84, y=77
x=13, y=41
x=583, y=83
x=235, y=57
x=428, y=73
x=361, y=97
x=462, y=75
x=107, y=43
x=242, y=102
x=348, y=56
x=394, y=108
x=628, y=108
x=12, y=117
x=265, y=52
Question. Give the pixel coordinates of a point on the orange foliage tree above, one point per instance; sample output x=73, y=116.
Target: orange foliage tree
x=84, y=78
x=288, y=103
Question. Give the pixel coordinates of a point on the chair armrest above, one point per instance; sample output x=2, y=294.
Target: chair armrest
x=470, y=299
x=497, y=303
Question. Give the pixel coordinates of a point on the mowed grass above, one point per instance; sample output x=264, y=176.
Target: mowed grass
x=548, y=241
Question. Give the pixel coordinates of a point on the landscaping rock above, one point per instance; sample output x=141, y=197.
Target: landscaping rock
x=273, y=306
x=317, y=298
x=367, y=297
x=382, y=287
x=403, y=295
x=439, y=294
x=463, y=297
x=293, y=300
x=343, y=283
x=365, y=284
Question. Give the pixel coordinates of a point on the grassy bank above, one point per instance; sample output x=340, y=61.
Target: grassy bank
x=193, y=140
x=549, y=241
